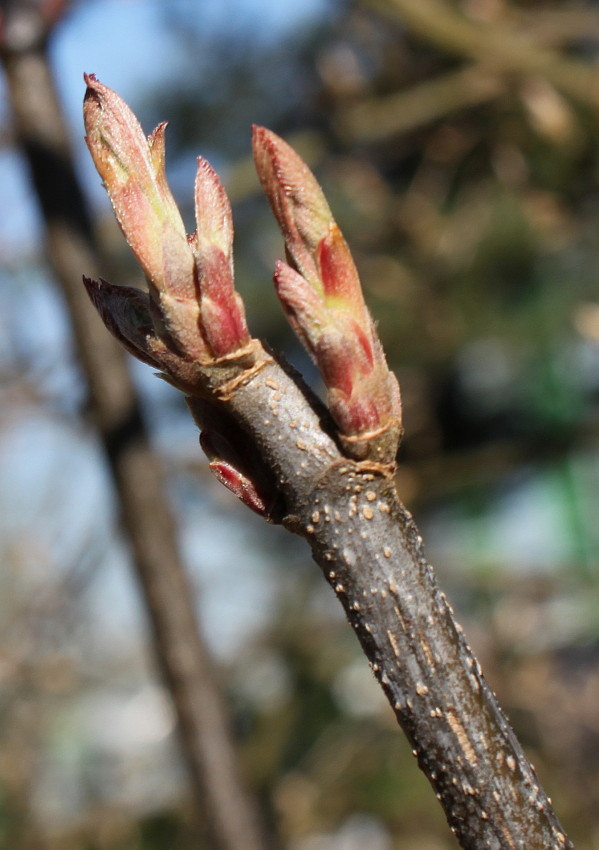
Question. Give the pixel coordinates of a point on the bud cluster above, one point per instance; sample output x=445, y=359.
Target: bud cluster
x=192, y=318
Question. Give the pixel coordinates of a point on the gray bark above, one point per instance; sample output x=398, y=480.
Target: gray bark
x=370, y=552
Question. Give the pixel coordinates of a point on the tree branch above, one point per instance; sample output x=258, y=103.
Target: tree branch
x=376, y=119
x=371, y=554
x=326, y=474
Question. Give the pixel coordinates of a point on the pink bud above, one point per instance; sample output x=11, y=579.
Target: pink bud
x=321, y=294
x=213, y=213
x=229, y=475
x=132, y=168
x=193, y=306
x=223, y=317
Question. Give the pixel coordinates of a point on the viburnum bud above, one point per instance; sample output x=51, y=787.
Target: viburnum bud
x=321, y=294
x=192, y=307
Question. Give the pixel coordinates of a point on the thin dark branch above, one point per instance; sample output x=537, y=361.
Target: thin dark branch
x=208, y=747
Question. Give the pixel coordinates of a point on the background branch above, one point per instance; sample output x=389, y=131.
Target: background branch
x=376, y=119
x=501, y=49
x=218, y=790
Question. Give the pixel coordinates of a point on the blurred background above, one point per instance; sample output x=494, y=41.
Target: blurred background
x=457, y=143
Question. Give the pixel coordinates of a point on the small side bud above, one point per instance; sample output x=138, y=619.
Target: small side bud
x=233, y=461
x=132, y=168
x=229, y=475
x=127, y=314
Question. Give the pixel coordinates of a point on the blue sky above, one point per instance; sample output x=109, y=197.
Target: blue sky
x=126, y=44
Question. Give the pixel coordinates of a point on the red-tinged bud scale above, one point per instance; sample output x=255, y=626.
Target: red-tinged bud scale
x=321, y=294
x=221, y=308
